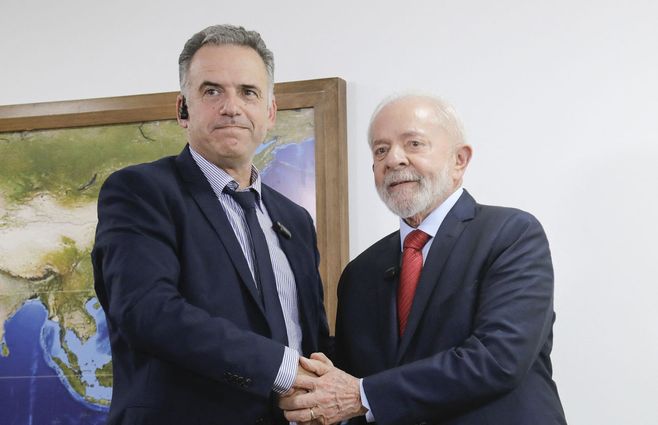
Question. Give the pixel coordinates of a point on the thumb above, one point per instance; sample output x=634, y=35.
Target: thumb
x=322, y=358
x=314, y=366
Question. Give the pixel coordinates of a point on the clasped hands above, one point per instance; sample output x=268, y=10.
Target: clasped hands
x=321, y=393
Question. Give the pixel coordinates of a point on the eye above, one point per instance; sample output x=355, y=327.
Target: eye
x=211, y=91
x=379, y=151
x=249, y=92
x=416, y=145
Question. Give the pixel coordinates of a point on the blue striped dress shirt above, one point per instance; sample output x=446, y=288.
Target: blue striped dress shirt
x=285, y=280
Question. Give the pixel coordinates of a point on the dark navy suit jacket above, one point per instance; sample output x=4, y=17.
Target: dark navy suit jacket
x=190, y=341
x=478, y=340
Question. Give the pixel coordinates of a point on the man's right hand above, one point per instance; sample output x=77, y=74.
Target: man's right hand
x=329, y=395
x=302, y=383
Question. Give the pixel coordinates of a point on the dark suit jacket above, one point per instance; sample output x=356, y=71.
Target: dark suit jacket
x=478, y=340
x=190, y=341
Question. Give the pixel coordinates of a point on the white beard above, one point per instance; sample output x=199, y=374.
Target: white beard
x=410, y=201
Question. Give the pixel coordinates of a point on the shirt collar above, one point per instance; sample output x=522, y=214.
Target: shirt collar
x=432, y=222
x=219, y=179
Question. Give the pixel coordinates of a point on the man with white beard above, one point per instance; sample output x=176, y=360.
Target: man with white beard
x=448, y=320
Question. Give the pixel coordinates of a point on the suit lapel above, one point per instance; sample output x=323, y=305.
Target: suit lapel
x=430, y=283
x=205, y=198
x=387, y=263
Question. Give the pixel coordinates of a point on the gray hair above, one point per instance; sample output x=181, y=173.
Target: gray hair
x=448, y=119
x=219, y=35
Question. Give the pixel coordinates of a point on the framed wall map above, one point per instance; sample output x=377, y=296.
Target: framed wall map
x=55, y=362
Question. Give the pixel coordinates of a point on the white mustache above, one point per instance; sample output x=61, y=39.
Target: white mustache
x=396, y=177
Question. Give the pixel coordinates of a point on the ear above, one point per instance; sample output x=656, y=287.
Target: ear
x=180, y=101
x=463, y=154
x=271, y=112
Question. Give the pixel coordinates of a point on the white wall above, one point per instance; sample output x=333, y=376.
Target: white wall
x=560, y=100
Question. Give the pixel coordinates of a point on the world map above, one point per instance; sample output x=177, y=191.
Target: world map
x=55, y=357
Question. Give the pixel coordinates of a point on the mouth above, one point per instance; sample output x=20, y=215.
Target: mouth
x=401, y=182
x=231, y=123
x=230, y=126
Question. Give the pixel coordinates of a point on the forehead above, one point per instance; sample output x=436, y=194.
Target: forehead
x=228, y=61
x=404, y=117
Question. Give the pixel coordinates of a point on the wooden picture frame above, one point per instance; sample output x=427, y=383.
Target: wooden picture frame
x=326, y=97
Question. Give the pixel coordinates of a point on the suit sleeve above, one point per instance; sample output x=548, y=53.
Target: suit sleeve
x=513, y=319
x=137, y=262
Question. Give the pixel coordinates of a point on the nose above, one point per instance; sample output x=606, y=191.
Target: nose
x=230, y=105
x=396, y=158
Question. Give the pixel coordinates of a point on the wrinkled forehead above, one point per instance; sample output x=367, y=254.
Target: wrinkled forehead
x=404, y=117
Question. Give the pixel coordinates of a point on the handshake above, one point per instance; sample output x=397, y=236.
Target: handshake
x=321, y=393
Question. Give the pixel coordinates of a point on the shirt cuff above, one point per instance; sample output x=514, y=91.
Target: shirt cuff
x=287, y=371
x=364, y=401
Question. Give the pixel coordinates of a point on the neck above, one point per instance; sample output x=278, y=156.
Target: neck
x=242, y=176
x=238, y=168
x=415, y=220
x=241, y=172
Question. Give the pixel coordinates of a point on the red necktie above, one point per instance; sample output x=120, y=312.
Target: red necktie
x=412, y=264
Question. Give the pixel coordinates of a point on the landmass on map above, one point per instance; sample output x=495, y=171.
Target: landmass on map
x=49, y=184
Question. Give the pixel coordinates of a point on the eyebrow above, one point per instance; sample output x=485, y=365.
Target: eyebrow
x=413, y=133
x=251, y=87
x=404, y=135
x=209, y=84
x=379, y=141
x=240, y=86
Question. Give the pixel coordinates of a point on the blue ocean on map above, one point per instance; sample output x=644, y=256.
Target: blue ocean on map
x=292, y=172
x=31, y=390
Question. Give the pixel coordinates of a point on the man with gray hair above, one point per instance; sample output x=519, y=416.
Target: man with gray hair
x=208, y=277
x=448, y=320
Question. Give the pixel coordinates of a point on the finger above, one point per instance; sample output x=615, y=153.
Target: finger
x=304, y=382
x=315, y=366
x=322, y=358
x=292, y=392
x=299, y=416
x=298, y=401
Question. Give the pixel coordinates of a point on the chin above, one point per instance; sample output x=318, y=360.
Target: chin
x=402, y=194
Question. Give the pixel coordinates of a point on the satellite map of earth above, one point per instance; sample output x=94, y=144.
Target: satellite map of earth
x=55, y=359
